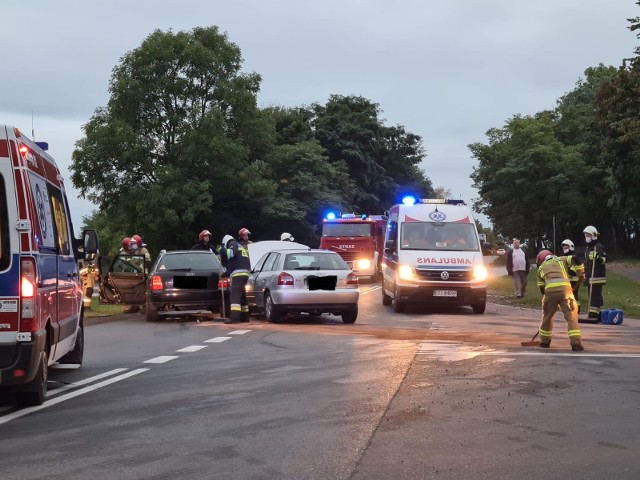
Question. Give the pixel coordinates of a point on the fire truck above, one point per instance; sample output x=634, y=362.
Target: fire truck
x=358, y=239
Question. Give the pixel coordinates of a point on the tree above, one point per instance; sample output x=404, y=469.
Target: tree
x=181, y=122
x=523, y=176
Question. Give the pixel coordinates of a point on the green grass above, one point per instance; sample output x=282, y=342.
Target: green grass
x=619, y=292
x=98, y=310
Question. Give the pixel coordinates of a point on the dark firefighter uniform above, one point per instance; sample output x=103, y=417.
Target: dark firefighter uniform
x=576, y=276
x=235, y=259
x=595, y=259
x=553, y=280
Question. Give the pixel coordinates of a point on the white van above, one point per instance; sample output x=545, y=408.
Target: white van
x=433, y=256
x=41, y=307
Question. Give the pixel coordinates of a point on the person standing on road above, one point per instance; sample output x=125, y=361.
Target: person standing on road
x=124, y=249
x=243, y=237
x=235, y=258
x=204, y=242
x=553, y=280
x=595, y=259
x=569, y=249
x=518, y=267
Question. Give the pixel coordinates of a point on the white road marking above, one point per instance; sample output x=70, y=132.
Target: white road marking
x=85, y=381
x=192, y=348
x=161, y=359
x=217, y=339
x=239, y=332
x=369, y=290
x=70, y=395
x=453, y=352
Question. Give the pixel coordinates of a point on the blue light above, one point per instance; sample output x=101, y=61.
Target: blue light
x=409, y=200
x=330, y=216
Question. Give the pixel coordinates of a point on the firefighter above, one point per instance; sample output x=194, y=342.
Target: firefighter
x=286, y=237
x=204, y=242
x=243, y=237
x=569, y=249
x=137, y=247
x=595, y=259
x=124, y=250
x=553, y=280
x=235, y=258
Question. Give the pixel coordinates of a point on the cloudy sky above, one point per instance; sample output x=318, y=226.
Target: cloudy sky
x=447, y=70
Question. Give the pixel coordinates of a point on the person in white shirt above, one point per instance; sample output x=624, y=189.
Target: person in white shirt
x=518, y=268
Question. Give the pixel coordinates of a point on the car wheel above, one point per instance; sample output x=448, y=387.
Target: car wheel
x=151, y=312
x=479, y=307
x=35, y=392
x=75, y=355
x=350, y=316
x=270, y=312
x=398, y=306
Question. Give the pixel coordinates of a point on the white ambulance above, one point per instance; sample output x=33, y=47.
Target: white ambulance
x=41, y=307
x=433, y=256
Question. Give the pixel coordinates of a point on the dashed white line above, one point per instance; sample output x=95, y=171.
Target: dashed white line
x=20, y=413
x=217, y=339
x=85, y=381
x=192, y=348
x=239, y=332
x=161, y=359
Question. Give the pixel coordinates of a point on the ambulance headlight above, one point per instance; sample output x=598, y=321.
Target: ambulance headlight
x=405, y=272
x=480, y=273
x=364, y=264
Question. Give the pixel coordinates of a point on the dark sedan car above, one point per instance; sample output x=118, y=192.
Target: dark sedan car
x=180, y=283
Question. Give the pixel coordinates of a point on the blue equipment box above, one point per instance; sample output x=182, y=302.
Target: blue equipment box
x=613, y=316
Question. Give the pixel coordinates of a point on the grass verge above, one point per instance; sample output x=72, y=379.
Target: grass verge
x=98, y=310
x=619, y=292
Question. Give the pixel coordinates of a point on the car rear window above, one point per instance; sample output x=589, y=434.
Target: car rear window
x=189, y=261
x=314, y=261
x=5, y=251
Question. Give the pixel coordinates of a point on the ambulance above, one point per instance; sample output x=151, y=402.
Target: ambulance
x=433, y=256
x=41, y=305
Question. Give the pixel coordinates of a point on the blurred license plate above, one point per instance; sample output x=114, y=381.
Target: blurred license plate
x=445, y=293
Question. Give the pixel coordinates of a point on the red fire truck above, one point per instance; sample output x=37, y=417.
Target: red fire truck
x=358, y=239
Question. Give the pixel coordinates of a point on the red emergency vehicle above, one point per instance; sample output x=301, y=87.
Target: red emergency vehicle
x=358, y=239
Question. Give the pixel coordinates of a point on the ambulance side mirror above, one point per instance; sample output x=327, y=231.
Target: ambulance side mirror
x=390, y=246
x=89, y=244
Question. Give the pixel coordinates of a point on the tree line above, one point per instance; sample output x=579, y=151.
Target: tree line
x=182, y=146
x=548, y=175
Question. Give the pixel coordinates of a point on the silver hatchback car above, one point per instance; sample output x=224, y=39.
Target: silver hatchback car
x=296, y=281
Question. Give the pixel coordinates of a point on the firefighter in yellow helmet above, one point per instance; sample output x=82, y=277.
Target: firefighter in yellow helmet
x=595, y=259
x=553, y=280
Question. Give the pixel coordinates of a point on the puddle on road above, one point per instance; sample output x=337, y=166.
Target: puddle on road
x=452, y=352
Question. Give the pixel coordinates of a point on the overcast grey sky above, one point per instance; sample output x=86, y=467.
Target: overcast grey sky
x=447, y=70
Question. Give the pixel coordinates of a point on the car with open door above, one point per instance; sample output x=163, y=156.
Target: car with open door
x=303, y=281
x=180, y=283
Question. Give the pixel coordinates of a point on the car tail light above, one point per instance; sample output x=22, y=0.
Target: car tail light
x=223, y=283
x=27, y=294
x=285, y=279
x=352, y=279
x=156, y=283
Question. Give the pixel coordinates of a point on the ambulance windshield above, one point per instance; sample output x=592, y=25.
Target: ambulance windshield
x=460, y=237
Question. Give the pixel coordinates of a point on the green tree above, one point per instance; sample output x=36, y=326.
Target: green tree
x=523, y=176
x=181, y=123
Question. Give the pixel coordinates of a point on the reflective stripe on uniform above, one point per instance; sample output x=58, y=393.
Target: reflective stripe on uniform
x=545, y=333
x=574, y=333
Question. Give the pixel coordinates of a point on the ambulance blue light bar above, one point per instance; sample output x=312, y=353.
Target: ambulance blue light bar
x=441, y=201
x=330, y=216
x=409, y=200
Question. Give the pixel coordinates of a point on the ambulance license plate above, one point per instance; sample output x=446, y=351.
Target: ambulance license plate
x=445, y=293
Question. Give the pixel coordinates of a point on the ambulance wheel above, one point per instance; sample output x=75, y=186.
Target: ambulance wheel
x=270, y=312
x=479, y=307
x=151, y=312
x=35, y=392
x=75, y=355
x=386, y=299
x=398, y=306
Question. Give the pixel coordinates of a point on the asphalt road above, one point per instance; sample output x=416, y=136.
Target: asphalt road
x=445, y=394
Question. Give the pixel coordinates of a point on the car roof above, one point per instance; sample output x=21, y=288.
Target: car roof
x=308, y=250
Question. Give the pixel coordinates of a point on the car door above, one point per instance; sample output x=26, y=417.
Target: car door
x=264, y=277
x=122, y=279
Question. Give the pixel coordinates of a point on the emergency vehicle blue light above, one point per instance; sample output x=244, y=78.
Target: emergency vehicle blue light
x=409, y=200
x=364, y=215
x=43, y=145
x=330, y=216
